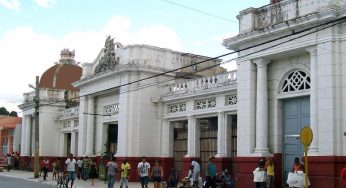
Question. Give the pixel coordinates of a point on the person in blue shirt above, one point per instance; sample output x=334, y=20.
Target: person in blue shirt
x=211, y=173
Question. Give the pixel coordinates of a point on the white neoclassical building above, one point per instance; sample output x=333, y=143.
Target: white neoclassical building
x=291, y=74
x=137, y=100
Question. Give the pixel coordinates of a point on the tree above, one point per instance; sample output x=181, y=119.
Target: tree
x=13, y=114
x=3, y=111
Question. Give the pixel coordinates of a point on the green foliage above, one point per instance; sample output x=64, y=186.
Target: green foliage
x=13, y=114
x=3, y=111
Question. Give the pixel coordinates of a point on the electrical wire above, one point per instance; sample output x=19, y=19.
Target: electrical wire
x=201, y=11
x=333, y=23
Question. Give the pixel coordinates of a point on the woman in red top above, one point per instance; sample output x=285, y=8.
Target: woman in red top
x=45, y=166
x=343, y=177
x=297, y=166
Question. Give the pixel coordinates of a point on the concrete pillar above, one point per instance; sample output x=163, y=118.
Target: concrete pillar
x=27, y=135
x=313, y=100
x=82, y=124
x=193, y=142
x=90, y=127
x=22, y=139
x=228, y=135
x=262, y=108
x=221, y=135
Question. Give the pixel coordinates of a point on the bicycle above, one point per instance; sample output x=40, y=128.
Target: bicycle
x=62, y=181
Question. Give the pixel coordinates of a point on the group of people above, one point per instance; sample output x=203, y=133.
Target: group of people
x=264, y=173
x=12, y=160
x=85, y=168
x=212, y=179
x=85, y=172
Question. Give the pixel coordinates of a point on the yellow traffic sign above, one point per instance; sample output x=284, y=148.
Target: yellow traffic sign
x=306, y=136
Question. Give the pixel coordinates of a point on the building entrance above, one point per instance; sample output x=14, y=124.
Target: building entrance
x=179, y=144
x=112, y=139
x=296, y=115
x=208, y=140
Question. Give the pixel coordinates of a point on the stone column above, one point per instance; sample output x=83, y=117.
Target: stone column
x=262, y=108
x=27, y=136
x=90, y=127
x=22, y=139
x=193, y=133
x=82, y=124
x=228, y=135
x=73, y=142
x=221, y=134
x=313, y=99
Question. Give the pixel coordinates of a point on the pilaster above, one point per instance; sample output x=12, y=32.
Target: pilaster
x=313, y=149
x=90, y=127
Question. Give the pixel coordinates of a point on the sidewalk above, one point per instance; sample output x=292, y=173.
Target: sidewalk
x=77, y=184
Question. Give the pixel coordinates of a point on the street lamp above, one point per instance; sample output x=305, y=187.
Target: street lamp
x=37, y=113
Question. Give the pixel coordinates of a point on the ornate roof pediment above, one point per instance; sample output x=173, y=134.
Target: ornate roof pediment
x=108, y=60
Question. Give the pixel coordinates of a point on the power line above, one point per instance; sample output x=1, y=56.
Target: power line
x=333, y=23
x=200, y=11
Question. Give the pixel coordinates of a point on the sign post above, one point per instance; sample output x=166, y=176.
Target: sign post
x=306, y=137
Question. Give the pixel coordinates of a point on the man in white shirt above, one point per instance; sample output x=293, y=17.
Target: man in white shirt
x=79, y=165
x=71, y=168
x=195, y=172
x=143, y=172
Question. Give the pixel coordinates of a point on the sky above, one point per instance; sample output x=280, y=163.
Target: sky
x=33, y=32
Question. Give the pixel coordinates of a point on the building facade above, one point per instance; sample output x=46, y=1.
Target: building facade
x=10, y=130
x=291, y=74
x=140, y=100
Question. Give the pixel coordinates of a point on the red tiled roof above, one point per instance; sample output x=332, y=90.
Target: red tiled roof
x=10, y=122
x=61, y=76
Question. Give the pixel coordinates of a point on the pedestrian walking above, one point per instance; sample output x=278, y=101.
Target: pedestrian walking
x=9, y=160
x=143, y=172
x=157, y=174
x=125, y=172
x=343, y=177
x=269, y=168
x=211, y=173
x=111, y=169
x=71, y=169
x=86, y=166
x=195, y=170
x=93, y=172
x=259, y=174
x=79, y=167
x=45, y=166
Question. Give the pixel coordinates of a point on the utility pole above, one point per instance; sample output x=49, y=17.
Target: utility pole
x=37, y=119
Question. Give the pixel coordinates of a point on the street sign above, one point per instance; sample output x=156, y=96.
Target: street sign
x=306, y=136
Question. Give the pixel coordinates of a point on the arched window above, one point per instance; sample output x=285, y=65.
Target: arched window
x=297, y=80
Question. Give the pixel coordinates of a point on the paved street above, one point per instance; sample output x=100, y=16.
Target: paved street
x=24, y=179
x=8, y=182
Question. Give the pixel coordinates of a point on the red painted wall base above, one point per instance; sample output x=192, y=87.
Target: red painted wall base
x=324, y=171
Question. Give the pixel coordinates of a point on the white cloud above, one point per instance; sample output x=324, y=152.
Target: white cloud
x=10, y=4
x=26, y=53
x=45, y=3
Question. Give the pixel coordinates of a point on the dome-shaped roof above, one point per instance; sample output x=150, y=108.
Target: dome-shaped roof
x=61, y=76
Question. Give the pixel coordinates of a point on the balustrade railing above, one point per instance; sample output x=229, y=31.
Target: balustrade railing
x=228, y=78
